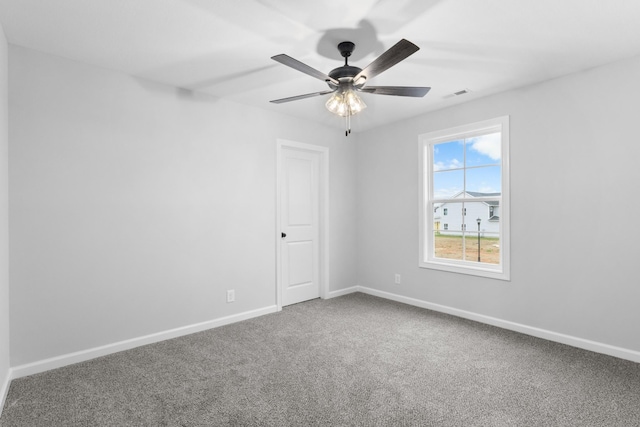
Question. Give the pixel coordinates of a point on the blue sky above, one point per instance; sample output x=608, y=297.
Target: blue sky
x=482, y=158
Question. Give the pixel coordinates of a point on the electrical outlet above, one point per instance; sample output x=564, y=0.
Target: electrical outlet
x=231, y=295
x=398, y=279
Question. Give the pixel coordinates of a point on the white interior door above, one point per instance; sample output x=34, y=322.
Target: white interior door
x=299, y=225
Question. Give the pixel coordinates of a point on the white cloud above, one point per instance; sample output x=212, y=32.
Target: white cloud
x=445, y=193
x=488, y=145
x=453, y=164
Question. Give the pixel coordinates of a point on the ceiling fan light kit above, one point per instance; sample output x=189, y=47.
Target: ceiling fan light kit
x=345, y=81
x=345, y=104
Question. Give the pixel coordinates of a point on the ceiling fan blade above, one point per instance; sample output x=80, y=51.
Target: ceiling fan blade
x=396, y=53
x=297, y=65
x=307, y=95
x=417, y=92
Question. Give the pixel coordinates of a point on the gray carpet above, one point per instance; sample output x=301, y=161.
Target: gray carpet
x=354, y=360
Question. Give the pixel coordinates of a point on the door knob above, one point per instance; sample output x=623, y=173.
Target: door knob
x=283, y=235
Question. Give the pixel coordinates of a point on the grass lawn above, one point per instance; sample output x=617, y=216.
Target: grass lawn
x=450, y=247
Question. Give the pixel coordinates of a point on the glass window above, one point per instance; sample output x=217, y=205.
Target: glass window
x=466, y=168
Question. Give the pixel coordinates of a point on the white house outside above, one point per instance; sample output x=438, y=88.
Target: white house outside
x=452, y=218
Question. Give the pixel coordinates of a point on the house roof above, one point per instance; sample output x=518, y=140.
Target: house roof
x=476, y=194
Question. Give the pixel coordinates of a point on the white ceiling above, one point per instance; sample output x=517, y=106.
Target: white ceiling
x=223, y=47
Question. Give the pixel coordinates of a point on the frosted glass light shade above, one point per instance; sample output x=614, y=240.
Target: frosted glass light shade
x=345, y=103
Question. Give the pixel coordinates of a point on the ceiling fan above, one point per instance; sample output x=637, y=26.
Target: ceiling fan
x=345, y=81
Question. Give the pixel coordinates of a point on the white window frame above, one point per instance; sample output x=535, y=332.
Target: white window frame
x=427, y=259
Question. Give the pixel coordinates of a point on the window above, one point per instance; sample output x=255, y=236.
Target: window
x=466, y=168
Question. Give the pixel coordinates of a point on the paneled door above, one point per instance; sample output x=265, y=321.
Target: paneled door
x=300, y=217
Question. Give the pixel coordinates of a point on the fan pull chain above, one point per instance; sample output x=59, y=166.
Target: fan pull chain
x=346, y=125
x=347, y=120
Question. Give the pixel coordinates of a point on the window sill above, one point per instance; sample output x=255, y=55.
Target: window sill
x=488, y=272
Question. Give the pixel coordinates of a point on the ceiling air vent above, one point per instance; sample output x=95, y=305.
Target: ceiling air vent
x=461, y=92
x=456, y=93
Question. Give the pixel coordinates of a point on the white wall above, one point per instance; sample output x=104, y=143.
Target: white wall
x=135, y=206
x=574, y=155
x=4, y=217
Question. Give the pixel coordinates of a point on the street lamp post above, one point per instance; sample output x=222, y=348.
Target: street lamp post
x=478, y=221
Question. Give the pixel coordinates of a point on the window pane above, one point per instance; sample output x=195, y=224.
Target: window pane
x=448, y=231
x=483, y=150
x=448, y=245
x=484, y=180
x=447, y=183
x=475, y=211
x=448, y=155
x=488, y=232
x=450, y=214
x=489, y=247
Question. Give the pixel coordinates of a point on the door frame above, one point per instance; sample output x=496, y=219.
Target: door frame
x=323, y=195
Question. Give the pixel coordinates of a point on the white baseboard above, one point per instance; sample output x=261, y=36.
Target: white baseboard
x=81, y=356
x=4, y=388
x=341, y=292
x=92, y=353
x=594, y=346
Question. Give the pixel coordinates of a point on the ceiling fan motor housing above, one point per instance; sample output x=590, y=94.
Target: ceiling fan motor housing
x=344, y=71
